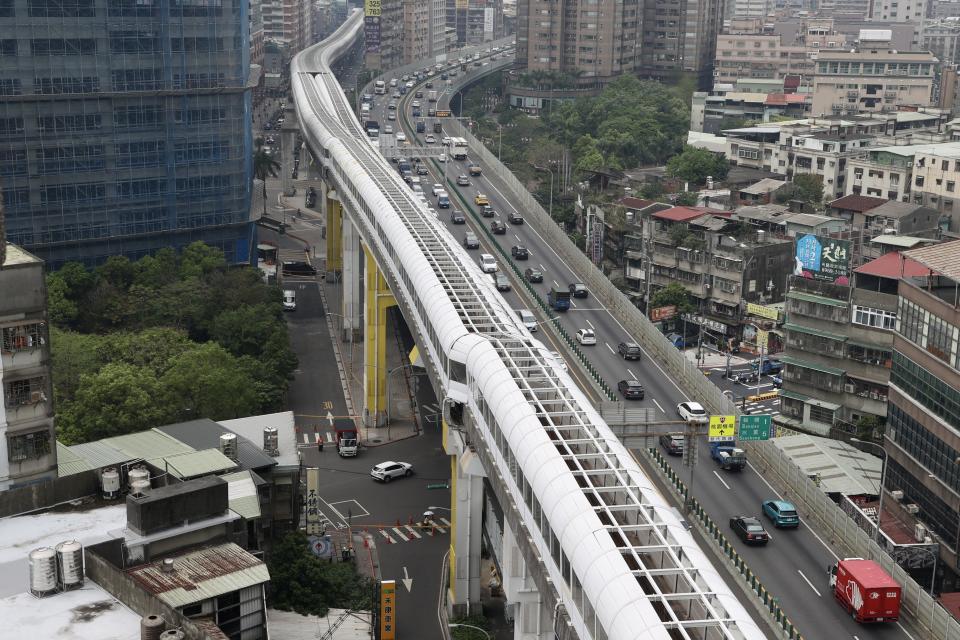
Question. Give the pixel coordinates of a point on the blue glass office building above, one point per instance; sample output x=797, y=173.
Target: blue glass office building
x=125, y=126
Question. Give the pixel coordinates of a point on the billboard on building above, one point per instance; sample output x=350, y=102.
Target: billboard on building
x=826, y=259
x=372, y=8
x=762, y=311
x=663, y=313
x=371, y=33
x=388, y=613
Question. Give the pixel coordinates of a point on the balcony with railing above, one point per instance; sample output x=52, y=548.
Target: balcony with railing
x=22, y=345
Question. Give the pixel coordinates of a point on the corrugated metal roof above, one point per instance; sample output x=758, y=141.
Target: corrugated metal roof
x=195, y=463
x=889, y=266
x=841, y=468
x=200, y=575
x=242, y=494
x=99, y=454
x=69, y=463
x=148, y=444
x=942, y=259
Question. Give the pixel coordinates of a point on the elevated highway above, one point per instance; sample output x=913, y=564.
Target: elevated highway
x=591, y=549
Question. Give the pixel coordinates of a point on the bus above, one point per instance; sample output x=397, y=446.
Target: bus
x=458, y=148
x=380, y=87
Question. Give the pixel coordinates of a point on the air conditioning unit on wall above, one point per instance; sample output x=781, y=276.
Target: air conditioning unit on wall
x=912, y=508
x=897, y=495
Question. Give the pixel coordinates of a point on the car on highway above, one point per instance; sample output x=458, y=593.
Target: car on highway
x=429, y=85
x=488, y=263
x=289, y=300
x=475, y=169
x=497, y=228
x=470, y=240
x=430, y=139
x=401, y=137
x=528, y=319
x=533, y=275
x=514, y=218
x=672, y=443
x=445, y=141
x=630, y=389
x=749, y=530
x=578, y=290
x=519, y=252
x=436, y=189
x=586, y=336
x=442, y=157
x=501, y=281
x=457, y=217
x=463, y=181
x=388, y=129
x=415, y=104
x=487, y=211
x=629, y=350
x=418, y=94
x=422, y=170
x=481, y=200
x=391, y=116
x=387, y=471
x=392, y=106
x=781, y=513
x=693, y=412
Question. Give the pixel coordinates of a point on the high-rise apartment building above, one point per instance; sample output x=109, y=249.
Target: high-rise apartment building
x=28, y=450
x=923, y=410
x=593, y=43
x=680, y=37
x=438, y=25
x=125, y=127
x=287, y=23
x=899, y=10
x=416, y=32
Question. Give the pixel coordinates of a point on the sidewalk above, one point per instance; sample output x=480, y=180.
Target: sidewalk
x=711, y=359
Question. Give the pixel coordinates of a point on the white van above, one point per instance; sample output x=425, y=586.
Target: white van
x=289, y=300
x=488, y=263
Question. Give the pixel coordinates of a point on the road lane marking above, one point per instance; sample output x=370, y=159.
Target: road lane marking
x=397, y=531
x=517, y=237
x=658, y=406
x=412, y=532
x=609, y=347
x=542, y=268
x=387, y=536
x=590, y=324
x=632, y=374
x=555, y=284
x=721, y=480
x=810, y=584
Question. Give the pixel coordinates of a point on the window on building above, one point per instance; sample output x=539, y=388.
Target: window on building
x=27, y=391
x=23, y=337
x=874, y=317
x=821, y=414
x=29, y=446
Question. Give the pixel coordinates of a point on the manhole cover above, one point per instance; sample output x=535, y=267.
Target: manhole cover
x=376, y=441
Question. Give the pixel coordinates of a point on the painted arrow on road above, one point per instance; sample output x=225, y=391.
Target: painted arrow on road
x=407, y=580
x=330, y=417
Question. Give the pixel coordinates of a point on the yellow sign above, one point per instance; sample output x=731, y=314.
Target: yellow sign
x=314, y=521
x=462, y=5
x=761, y=311
x=722, y=428
x=763, y=339
x=372, y=8
x=388, y=604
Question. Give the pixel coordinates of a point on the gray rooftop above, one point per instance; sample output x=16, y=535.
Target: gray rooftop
x=840, y=467
x=205, y=434
x=897, y=209
x=252, y=427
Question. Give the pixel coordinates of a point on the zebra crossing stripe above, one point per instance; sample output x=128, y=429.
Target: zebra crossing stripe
x=329, y=437
x=439, y=529
x=445, y=521
x=387, y=536
x=306, y=438
x=400, y=533
x=317, y=436
x=412, y=532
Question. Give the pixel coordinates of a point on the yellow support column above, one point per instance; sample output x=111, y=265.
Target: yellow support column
x=334, y=236
x=378, y=300
x=452, y=597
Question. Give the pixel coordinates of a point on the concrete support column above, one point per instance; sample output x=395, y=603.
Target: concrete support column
x=351, y=270
x=466, y=497
x=531, y=619
x=334, y=216
x=376, y=302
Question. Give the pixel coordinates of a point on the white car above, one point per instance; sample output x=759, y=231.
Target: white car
x=488, y=263
x=442, y=157
x=445, y=141
x=388, y=129
x=586, y=336
x=401, y=137
x=387, y=471
x=430, y=139
x=437, y=188
x=416, y=188
x=392, y=116
x=693, y=412
x=528, y=319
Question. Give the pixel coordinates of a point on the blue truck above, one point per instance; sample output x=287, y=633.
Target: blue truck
x=558, y=299
x=728, y=456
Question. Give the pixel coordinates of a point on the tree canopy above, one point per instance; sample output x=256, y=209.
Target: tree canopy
x=694, y=165
x=672, y=294
x=806, y=187
x=166, y=338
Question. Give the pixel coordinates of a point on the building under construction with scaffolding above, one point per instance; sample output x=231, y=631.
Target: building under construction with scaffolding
x=125, y=126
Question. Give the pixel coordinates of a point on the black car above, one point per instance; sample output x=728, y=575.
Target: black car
x=629, y=350
x=422, y=170
x=299, y=269
x=487, y=211
x=749, y=530
x=498, y=228
x=630, y=389
x=533, y=275
x=519, y=252
x=418, y=94
x=673, y=443
x=503, y=282
x=456, y=217
x=515, y=218
x=429, y=85
x=578, y=290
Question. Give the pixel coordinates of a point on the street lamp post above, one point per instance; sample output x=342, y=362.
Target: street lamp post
x=883, y=476
x=539, y=168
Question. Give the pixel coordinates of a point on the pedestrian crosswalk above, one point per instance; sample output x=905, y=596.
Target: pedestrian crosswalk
x=412, y=533
x=310, y=438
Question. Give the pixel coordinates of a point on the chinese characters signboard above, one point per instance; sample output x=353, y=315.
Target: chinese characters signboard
x=722, y=428
x=824, y=259
x=372, y=8
x=371, y=33
x=662, y=313
x=754, y=427
x=761, y=311
x=388, y=614
x=314, y=516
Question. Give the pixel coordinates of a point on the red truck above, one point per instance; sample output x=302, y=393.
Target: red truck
x=866, y=590
x=347, y=437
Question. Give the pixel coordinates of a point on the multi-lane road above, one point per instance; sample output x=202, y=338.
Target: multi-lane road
x=793, y=565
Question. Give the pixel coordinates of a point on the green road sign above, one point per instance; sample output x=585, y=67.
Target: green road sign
x=755, y=427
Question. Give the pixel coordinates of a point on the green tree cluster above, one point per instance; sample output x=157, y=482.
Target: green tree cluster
x=806, y=187
x=631, y=123
x=308, y=585
x=694, y=165
x=673, y=294
x=166, y=338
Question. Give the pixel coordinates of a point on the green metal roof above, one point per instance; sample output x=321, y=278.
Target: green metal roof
x=147, y=445
x=69, y=463
x=809, y=297
x=814, y=332
x=793, y=395
x=242, y=494
x=195, y=463
x=790, y=360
